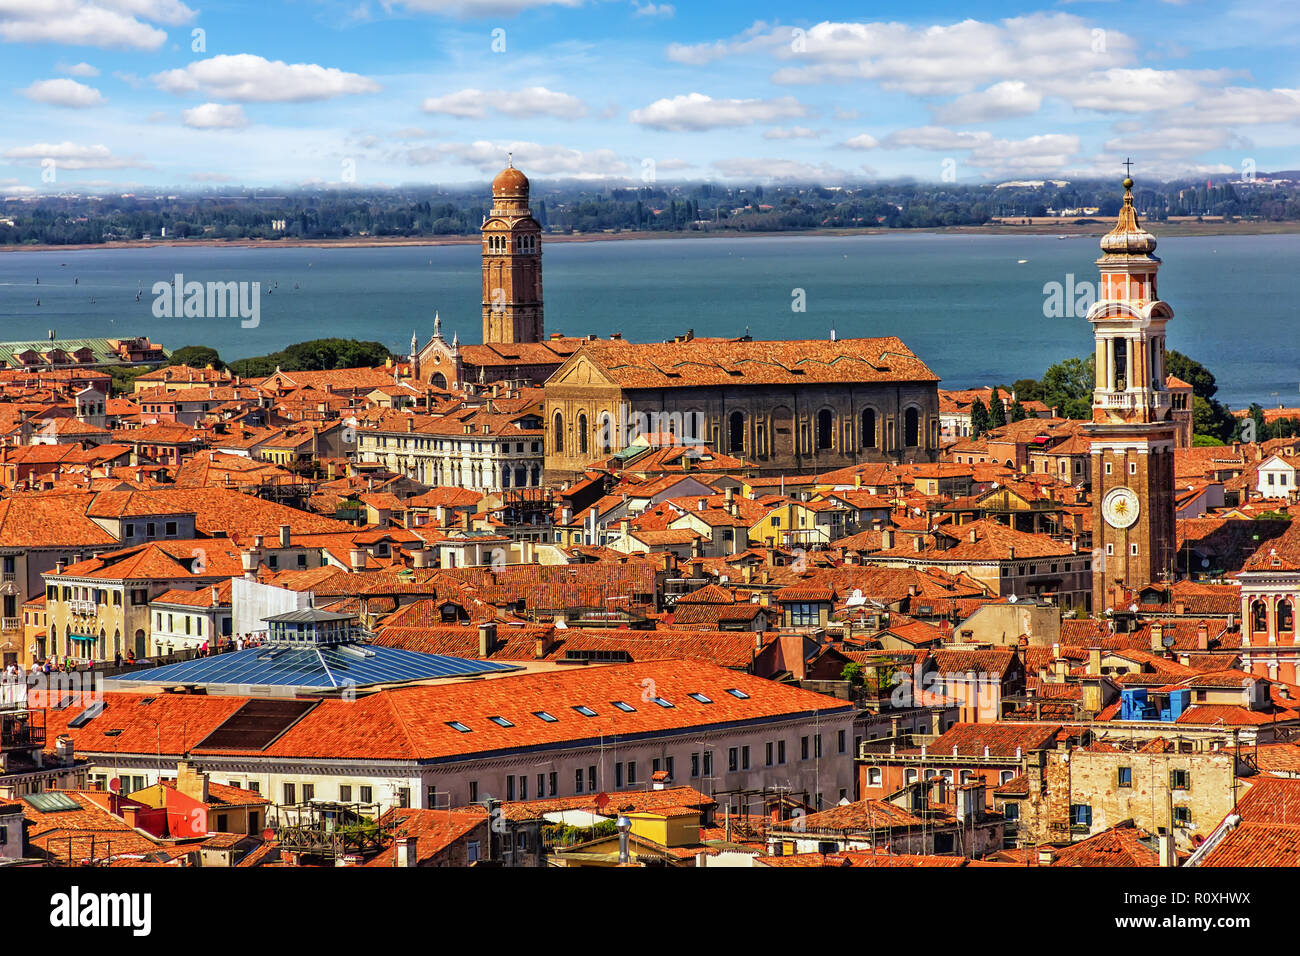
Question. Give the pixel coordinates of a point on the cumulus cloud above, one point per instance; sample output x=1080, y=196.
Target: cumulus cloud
x=527, y=102
x=653, y=9
x=1241, y=105
x=994, y=157
x=785, y=170
x=247, y=78
x=63, y=92
x=861, y=141
x=1170, y=143
x=696, y=111
x=69, y=155
x=794, y=132
x=215, y=116
x=468, y=9
x=999, y=101
x=126, y=24
x=1120, y=90
x=559, y=161
x=77, y=69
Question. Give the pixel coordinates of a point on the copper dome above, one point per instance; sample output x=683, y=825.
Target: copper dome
x=510, y=182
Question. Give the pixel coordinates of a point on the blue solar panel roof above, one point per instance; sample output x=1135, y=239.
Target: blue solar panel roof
x=322, y=667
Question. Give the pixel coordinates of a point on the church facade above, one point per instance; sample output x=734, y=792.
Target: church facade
x=786, y=406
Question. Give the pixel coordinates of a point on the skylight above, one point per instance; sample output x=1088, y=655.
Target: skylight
x=700, y=697
x=585, y=710
x=457, y=725
x=501, y=722
x=543, y=715
x=737, y=692
x=664, y=703
x=624, y=706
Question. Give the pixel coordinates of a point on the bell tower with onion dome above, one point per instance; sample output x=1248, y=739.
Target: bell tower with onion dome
x=1132, y=431
x=512, y=263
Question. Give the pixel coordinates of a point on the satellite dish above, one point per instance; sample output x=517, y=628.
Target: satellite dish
x=1012, y=599
x=1167, y=640
x=1133, y=608
x=1205, y=562
x=115, y=784
x=268, y=834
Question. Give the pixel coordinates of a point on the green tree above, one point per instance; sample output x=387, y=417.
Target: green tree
x=1028, y=389
x=997, y=411
x=1192, y=372
x=1067, y=387
x=1212, y=419
x=1017, y=411
x=979, y=418
x=197, y=356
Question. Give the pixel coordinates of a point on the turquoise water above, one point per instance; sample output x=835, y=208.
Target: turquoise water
x=965, y=304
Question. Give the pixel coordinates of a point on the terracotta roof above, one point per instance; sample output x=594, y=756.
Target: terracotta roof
x=731, y=362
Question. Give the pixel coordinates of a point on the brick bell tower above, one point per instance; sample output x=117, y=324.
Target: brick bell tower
x=1132, y=427
x=512, y=263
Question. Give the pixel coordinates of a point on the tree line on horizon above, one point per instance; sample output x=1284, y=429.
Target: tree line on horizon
x=584, y=208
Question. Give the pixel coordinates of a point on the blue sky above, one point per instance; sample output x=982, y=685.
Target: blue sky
x=124, y=94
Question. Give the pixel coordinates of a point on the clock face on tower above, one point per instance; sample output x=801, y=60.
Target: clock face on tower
x=1120, y=507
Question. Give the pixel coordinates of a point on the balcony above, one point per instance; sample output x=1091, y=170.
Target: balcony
x=7, y=577
x=10, y=624
x=82, y=607
x=22, y=729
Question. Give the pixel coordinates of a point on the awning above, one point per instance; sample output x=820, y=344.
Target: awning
x=83, y=637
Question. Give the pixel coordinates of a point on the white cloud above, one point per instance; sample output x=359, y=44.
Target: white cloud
x=215, y=116
x=101, y=23
x=695, y=111
x=558, y=161
x=786, y=170
x=759, y=36
x=247, y=78
x=1242, y=105
x=994, y=157
x=521, y=104
x=794, y=132
x=653, y=9
x=1001, y=100
x=934, y=137
x=861, y=141
x=1169, y=143
x=77, y=69
x=1131, y=90
x=468, y=9
x=68, y=155
x=63, y=92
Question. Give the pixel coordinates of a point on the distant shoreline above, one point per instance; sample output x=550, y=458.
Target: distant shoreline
x=1036, y=228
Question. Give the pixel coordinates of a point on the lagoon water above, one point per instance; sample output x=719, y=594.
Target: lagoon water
x=965, y=304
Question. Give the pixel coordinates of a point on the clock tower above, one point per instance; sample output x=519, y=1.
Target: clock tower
x=1132, y=431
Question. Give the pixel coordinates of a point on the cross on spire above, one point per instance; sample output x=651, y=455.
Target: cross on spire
x=1128, y=167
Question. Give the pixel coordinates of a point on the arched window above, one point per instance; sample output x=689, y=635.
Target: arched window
x=536, y=476
x=439, y=380
x=1285, y=616
x=736, y=432
x=825, y=428
x=1259, y=617
x=582, y=433
x=911, y=428
x=505, y=477
x=606, y=435
x=869, y=428
x=558, y=428
x=521, y=477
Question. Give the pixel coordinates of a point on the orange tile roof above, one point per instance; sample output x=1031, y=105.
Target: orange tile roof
x=731, y=362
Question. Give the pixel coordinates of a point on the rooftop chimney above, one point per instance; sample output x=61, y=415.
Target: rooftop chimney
x=487, y=639
x=191, y=782
x=406, y=853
